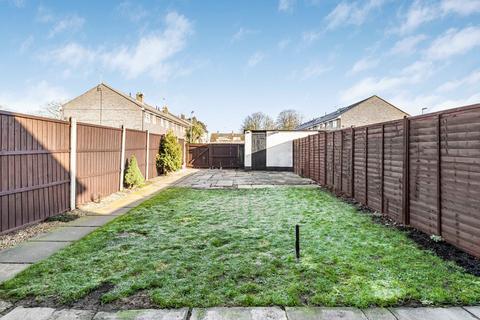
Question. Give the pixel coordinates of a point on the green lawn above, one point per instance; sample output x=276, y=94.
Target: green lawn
x=190, y=247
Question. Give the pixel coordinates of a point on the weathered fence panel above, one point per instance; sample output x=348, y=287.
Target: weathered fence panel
x=98, y=161
x=136, y=145
x=153, y=151
x=34, y=167
x=423, y=171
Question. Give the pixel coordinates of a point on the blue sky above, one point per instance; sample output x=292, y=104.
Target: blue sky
x=227, y=59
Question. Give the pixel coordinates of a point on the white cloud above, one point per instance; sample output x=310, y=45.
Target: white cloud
x=408, y=45
x=470, y=80
x=313, y=70
x=255, y=59
x=282, y=44
x=363, y=64
x=421, y=12
x=410, y=75
x=44, y=15
x=285, y=5
x=32, y=96
x=71, y=23
x=133, y=12
x=242, y=33
x=461, y=7
x=309, y=37
x=351, y=13
x=27, y=44
x=454, y=42
x=151, y=55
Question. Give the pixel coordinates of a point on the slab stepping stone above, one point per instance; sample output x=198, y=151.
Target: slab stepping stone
x=91, y=221
x=238, y=313
x=65, y=234
x=378, y=314
x=475, y=310
x=455, y=313
x=306, y=313
x=147, y=314
x=9, y=270
x=72, y=314
x=21, y=313
x=31, y=252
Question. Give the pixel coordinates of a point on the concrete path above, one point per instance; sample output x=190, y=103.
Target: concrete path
x=16, y=259
x=259, y=313
x=232, y=179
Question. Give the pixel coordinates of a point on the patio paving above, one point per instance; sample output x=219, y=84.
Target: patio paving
x=228, y=179
x=241, y=313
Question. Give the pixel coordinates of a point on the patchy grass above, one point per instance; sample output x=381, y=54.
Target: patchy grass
x=204, y=248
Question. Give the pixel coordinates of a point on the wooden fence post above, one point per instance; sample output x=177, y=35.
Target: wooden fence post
x=122, y=156
x=439, y=176
x=73, y=163
x=341, y=160
x=325, y=154
x=333, y=160
x=366, y=166
x=147, y=154
x=382, y=169
x=352, y=165
x=406, y=173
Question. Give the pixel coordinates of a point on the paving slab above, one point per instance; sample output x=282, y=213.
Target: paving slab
x=72, y=314
x=454, y=313
x=475, y=310
x=9, y=270
x=21, y=313
x=147, y=314
x=239, y=313
x=91, y=221
x=317, y=313
x=4, y=305
x=65, y=234
x=31, y=252
x=378, y=314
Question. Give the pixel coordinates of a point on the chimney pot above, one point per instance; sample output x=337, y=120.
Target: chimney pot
x=140, y=97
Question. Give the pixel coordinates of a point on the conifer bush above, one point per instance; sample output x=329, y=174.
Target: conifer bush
x=170, y=157
x=133, y=175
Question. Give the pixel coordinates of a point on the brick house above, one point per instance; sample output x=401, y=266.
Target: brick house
x=371, y=110
x=107, y=106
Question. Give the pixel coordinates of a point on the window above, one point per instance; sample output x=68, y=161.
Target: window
x=154, y=119
x=334, y=123
x=147, y=117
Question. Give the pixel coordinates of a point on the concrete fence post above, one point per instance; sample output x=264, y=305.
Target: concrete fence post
x=122, y=157
x=73, y=163
x=147, y=156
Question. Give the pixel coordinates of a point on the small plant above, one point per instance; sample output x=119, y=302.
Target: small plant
x=436, y=238
x=170, y=157
x=133, y=176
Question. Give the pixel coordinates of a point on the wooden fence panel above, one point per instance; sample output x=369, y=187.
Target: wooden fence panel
x=136, y=144
x=360, y=165
x=346, y=164
x=393, y=169
x=330, y=158
x=460, y=179
x=98, y=162
x=153, y=150
x=423, y=174
x=374, y=166
x=34, y=167
x=322, y=157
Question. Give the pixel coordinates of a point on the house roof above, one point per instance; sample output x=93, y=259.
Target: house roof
x=337, y=113
x=154, y=110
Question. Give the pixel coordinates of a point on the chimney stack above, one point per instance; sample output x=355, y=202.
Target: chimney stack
x=140, y=97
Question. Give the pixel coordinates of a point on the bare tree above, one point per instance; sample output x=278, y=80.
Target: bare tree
x=258, y=121
x=289, y=119
x=52, y=109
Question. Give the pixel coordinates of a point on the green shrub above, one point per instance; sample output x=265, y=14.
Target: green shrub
x=170, y=157
x=133, y=176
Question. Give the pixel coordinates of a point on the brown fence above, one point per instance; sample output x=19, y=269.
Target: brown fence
x=215, y=155
x=34, y=167
x=35, y=155
x=422, y=171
